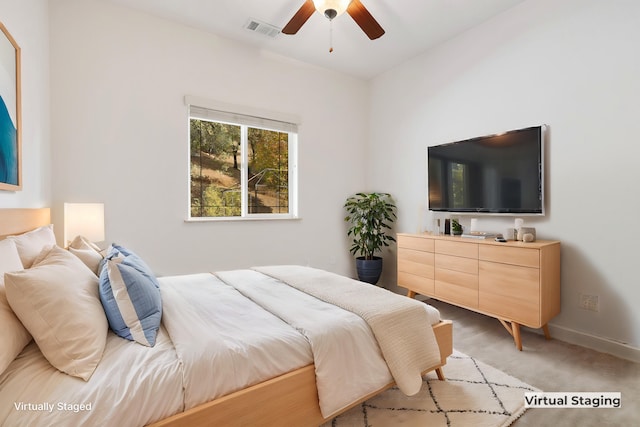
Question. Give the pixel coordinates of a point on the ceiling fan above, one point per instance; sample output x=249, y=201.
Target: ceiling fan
x=332, y=9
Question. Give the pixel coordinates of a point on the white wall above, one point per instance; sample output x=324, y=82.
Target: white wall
x=119, y=136
x=574, y=66
x=28, y=23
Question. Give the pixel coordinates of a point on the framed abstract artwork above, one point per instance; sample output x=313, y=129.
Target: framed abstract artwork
x=10, y=110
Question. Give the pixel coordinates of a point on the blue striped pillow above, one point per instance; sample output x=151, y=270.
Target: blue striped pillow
x=130, y=295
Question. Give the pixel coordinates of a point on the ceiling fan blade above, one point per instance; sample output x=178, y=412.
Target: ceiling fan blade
x=301, y=16
x=365, y=20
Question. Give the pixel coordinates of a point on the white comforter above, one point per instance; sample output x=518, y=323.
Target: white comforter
x=215, y=339
x=224, y=341
x=132, y=386
x=348, y=361
x=400, y=325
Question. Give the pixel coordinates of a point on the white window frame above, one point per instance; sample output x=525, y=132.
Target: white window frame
x=245, y=117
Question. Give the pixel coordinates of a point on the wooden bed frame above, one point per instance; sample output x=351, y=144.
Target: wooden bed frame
x=289, y=399
x=18, y=221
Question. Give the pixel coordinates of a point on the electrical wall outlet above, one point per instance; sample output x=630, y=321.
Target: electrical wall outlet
x=589, y=302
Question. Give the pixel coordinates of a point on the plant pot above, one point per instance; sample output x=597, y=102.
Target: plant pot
x=369, y=270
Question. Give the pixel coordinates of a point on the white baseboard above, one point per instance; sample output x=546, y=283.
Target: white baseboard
x=604, y=345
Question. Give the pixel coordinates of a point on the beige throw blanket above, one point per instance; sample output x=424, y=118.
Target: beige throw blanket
x=400, y=324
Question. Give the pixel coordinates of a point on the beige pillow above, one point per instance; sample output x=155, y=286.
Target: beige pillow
x=14, y=336
x=9, y=258
x=88, y=253
x=30, y=244
x=58, y=302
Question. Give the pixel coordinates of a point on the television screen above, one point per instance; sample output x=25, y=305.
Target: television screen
x=501, y=173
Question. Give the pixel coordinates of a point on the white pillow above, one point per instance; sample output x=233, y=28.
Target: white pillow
x=9, y=258
x=88, y=253
x=57, y=300
x=31, y=243
x=14, y=335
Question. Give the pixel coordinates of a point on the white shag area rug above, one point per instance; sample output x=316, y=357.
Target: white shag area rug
x=474, y=394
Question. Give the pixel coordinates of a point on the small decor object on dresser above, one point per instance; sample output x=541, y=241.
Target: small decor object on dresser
x=456, y=228
x=370, y=216
x=523, y=231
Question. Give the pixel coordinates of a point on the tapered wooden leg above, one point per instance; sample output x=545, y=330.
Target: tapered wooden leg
x=507, y=326
x=514, y=330
x=545, y=329
x=516, y=335
x=411, y=294
x=440, y=374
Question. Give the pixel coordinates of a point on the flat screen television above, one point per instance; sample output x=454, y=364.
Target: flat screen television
x=494, y=174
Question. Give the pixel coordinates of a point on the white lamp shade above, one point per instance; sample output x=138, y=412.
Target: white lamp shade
x=340, y=6
x=84, y=219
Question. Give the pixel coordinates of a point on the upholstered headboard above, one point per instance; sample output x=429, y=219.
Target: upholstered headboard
x=16, y=221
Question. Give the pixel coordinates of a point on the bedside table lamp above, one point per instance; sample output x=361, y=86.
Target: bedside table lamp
x=84, y=219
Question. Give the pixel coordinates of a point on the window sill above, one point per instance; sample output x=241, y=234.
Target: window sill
x=246, y=218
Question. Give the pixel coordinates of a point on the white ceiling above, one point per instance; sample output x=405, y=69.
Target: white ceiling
x=412, y=27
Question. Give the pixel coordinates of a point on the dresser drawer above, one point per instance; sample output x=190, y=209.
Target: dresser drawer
x=461, y=249
x=418, y=284
x=415, y=256
x=521, y=311
x=415, y=262
x=416, y=243
x=510, y=292
x=456, y=294
x=457, y=278
x=527, y=257
x=450, y=262
x=510, y=280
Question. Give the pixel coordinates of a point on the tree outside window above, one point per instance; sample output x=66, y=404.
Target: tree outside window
x=240, y=171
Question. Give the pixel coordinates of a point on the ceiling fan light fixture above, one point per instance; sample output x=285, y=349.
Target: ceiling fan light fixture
x=331, y=8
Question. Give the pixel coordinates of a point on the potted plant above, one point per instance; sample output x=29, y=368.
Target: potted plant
x=370, y=216
x=456, y=228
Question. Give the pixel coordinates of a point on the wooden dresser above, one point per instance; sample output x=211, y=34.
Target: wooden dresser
x=518, y=283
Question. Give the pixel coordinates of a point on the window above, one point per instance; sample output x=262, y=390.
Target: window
x=241, y=166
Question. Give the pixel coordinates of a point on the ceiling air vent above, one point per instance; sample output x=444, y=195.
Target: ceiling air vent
x=262, y=28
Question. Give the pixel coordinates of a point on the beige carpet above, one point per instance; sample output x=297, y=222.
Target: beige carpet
x=475, y=394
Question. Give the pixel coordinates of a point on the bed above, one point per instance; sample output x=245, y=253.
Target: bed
x=173, y=384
